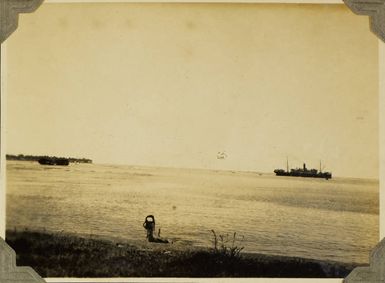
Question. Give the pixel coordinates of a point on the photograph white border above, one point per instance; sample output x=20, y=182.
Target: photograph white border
x=381, y=109
x=381, y=87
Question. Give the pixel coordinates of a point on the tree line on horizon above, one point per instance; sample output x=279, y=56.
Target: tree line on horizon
x=22, y=157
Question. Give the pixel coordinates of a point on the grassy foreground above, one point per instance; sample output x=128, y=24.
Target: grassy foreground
x=61, y=255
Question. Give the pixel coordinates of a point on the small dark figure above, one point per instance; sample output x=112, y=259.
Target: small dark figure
x=149, y=225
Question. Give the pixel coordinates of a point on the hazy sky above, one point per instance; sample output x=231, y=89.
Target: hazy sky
x=174, y=84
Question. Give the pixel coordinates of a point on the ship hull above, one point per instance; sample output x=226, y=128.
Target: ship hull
x=54, y=161
x=304, y=175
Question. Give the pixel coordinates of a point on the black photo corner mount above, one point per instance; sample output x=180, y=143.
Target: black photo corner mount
x=375, y=9
x=375, y=272
x=10, y=273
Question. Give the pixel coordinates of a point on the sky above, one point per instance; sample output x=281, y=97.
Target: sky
x=175, y=84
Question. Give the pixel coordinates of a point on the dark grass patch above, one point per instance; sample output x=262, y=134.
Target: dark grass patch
x=61, y=255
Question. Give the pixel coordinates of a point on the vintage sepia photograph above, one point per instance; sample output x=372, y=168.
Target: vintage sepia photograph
x=192, y=140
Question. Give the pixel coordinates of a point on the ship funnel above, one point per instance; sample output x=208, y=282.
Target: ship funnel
x=304, y=167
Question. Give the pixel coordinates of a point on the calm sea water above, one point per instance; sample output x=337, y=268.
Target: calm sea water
x=313, y=218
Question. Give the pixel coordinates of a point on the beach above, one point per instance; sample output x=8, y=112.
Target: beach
x=64, y=255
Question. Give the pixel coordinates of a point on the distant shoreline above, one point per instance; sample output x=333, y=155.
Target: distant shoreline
x=65, y=255
x=22, y=157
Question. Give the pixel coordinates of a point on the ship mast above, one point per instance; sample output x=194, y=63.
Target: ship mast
x=320, y=168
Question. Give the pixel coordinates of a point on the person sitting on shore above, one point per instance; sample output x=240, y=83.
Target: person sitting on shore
x=149, y=225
